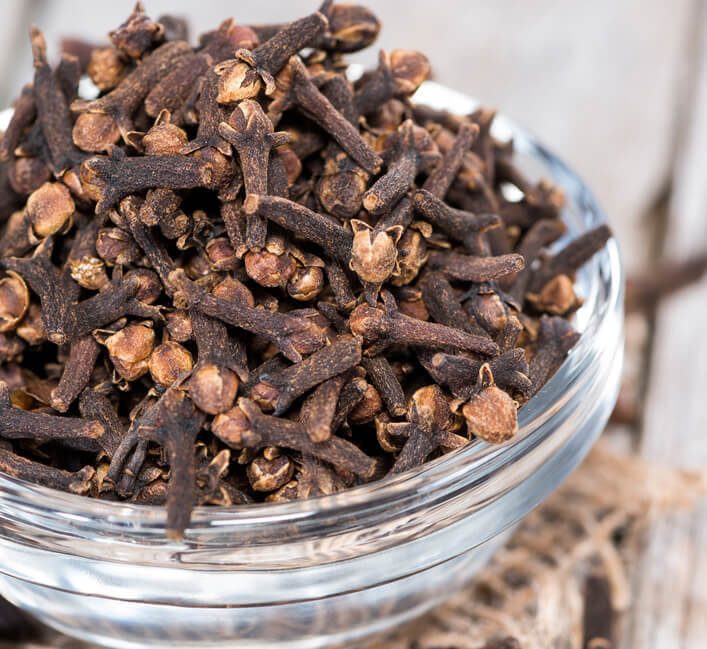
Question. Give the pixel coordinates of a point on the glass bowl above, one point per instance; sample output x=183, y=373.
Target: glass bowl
x=331, y=571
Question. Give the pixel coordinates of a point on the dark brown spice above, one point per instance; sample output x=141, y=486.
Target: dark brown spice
x=16, y=423
x=296, y=89
x=173, y=422
x=247, y=427
x=20, y=467
x=398, y=74
x=318, y=410
x=52, y=108
x=259, y=235
x=244, y=77
x=109, y=179
x=83, y=354
x=555, y=338
x=475, y=269
x=459, y=225
x=413, y=152
x=381, y=374
x=430, y=417
x=277, y=392
x=117, y=108
x=378, y=330
x=251, y=133
x=214, y=383
x=333, y=239
x=490, y=413
x=137, y=34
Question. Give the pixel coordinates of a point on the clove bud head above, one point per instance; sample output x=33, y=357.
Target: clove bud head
x=237, y=81
x=50, y=209
x=168, y=362
x=130, y=349
x=306, y=283
x=368, y=407
x=106, y=68
x=410, y=68
x=213, y=388
x=374, y=255
x=267, y=475
x=557, y=297
x=429, y=409
x=179, y=325
x=95, y=132
x=116, y=247
x=269, y=269
x=369, y=323
x=14, y=301
x=89, y=273
x=351, y=27
x=491, y=414
x=164, y=138
x=234, y=429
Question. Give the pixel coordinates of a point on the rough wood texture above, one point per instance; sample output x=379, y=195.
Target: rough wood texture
x=670, y=581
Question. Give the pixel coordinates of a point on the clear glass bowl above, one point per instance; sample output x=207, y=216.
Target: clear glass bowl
x=331, y=571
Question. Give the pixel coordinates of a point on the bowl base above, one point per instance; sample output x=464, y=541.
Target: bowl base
x=344, y=621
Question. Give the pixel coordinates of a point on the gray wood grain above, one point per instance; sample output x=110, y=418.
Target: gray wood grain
x=670, y=608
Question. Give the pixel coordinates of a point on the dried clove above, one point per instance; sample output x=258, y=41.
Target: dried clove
x=457, y=224
x=214, y=383
x=383, y=378
x=333, y=239
x=414, y=151
x=555, y=338
x=378, y=330
x=102, y=121
x=83, y=354
x=568, y=260
x=277, y=392
x=251, y=133
x=430, y=417
x=52, y=108
x=276, y=327
x=399, y=74
x=174, y=423
x=137, y=34
x=319, y=409
x=244, y=76
x=298, y=90
x=444, y=306
x=490, y=413
x=20, y=467
x=109, y=179
x=475, y=269
x=247, y=427
x=16, y=423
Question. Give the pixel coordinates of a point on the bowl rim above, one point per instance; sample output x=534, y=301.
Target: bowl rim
x=434, y=475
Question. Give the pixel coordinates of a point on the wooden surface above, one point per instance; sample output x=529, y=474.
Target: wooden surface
x=670, y=607
x=619, y=89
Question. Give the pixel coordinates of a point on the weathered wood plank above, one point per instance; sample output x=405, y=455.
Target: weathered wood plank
x=670, y=595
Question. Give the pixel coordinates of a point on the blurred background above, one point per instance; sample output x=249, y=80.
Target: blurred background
x=604, y=83
x=618, y=88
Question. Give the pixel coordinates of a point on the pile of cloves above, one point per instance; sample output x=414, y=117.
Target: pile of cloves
x=238, y=276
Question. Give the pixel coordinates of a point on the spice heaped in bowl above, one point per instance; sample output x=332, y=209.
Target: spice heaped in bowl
x=242, y=288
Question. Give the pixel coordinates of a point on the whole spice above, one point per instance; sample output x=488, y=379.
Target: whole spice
x=235, y=276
